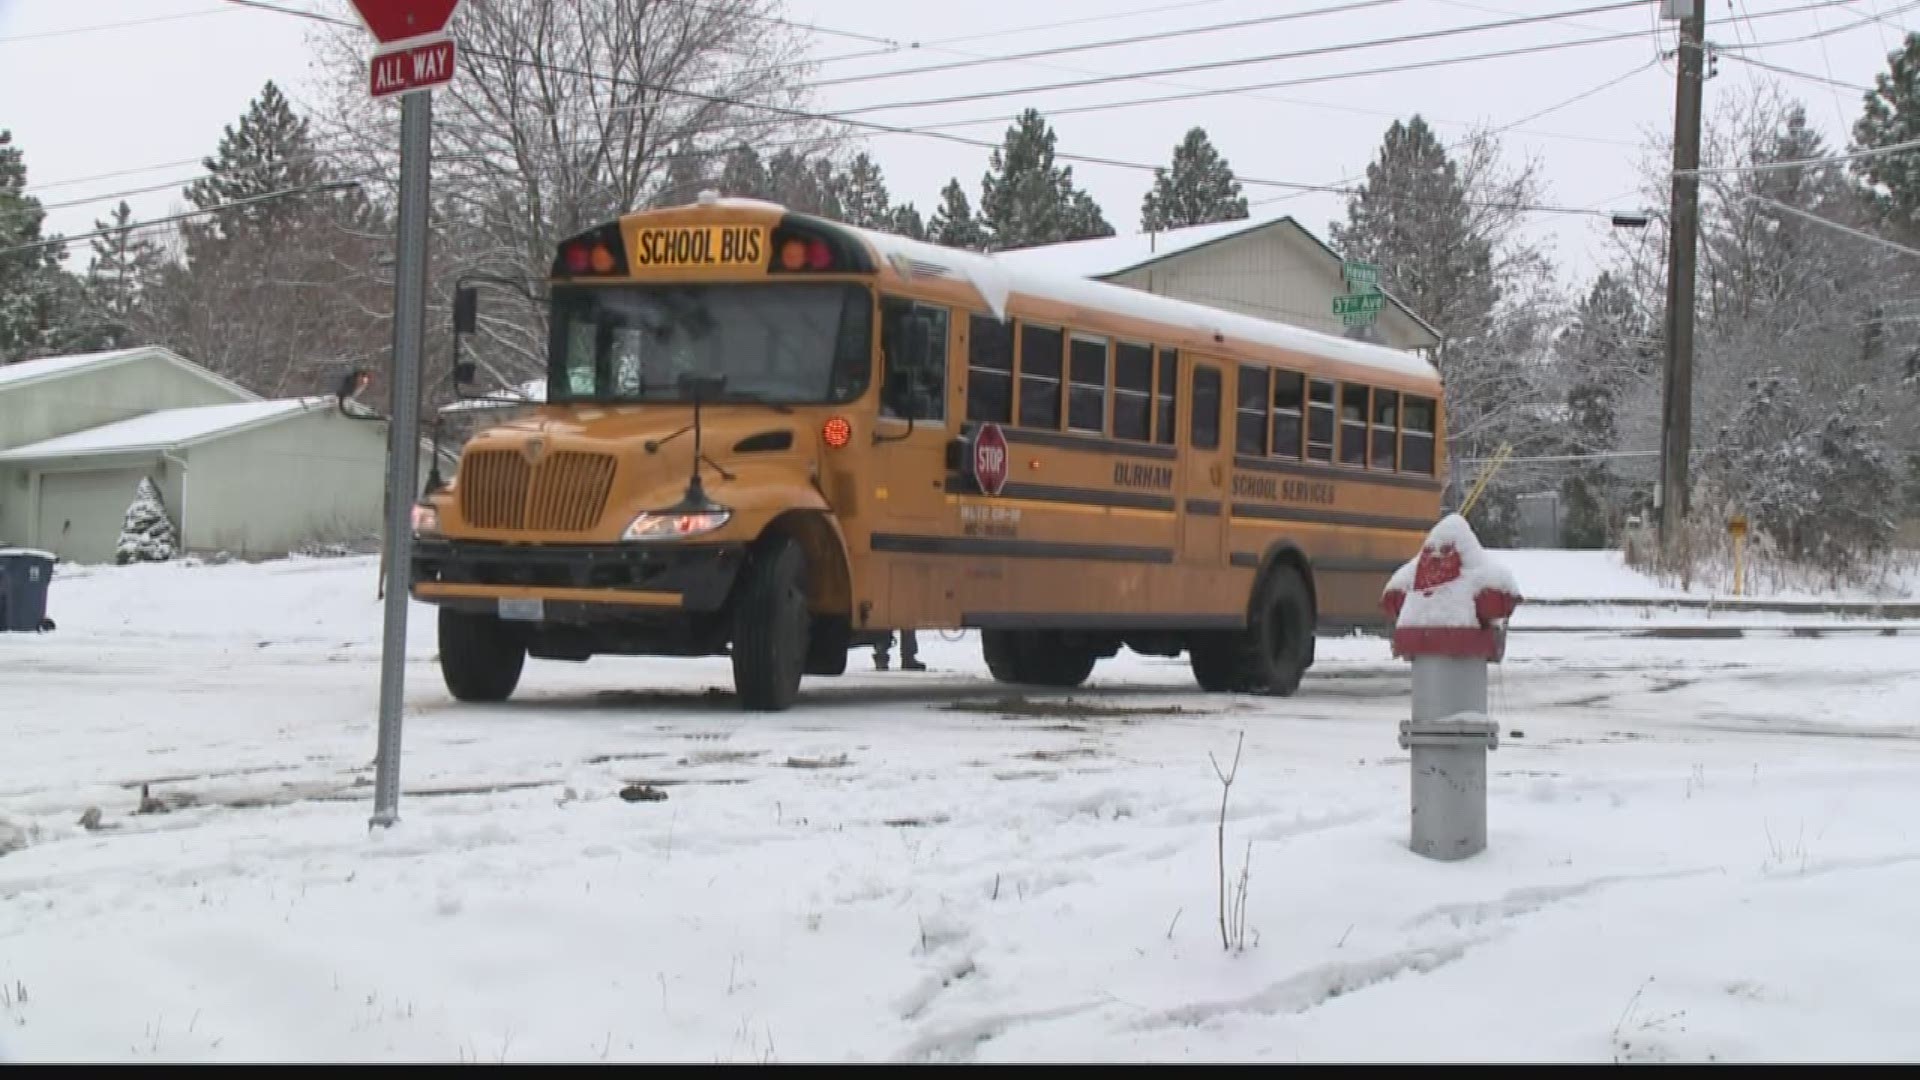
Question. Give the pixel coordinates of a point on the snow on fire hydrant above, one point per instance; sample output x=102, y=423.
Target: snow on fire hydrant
x=1450, y=606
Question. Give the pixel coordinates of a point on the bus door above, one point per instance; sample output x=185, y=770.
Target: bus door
x=1206, y=496
x=910, y=450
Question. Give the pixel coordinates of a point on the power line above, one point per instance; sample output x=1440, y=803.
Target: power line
x=1556, y=107
x=1036, y=27
x=1111, y=43
x=44, y=34
x=1216, y=65
x=1818, y=220
x=800, y=114
x=64, y=241
x=1818, y=35
x=1779, y=69
x=1811, y=163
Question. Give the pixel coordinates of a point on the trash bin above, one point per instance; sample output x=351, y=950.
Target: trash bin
x=24, y=577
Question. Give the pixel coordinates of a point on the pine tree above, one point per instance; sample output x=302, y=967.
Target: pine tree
x=1892, y=115
x=805, y=184
x=953, y=224
x=1606, y=349
x=147, y=534
x=862, y=194
x=1411, y=218
x=1198, y=190
x=126, y=267
x=1026, y=200
x=744, y=176
x=270, y=151
x=905, y=221
x=37, y=303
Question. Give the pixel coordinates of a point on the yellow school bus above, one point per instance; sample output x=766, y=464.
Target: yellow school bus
x=779, y=438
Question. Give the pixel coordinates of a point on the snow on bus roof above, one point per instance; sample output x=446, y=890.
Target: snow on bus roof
x=997, y=278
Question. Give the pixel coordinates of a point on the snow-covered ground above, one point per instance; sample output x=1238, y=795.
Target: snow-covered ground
x=1699, y=850
x=1604, y=575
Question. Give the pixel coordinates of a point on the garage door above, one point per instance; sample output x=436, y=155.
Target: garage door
x=81, y=512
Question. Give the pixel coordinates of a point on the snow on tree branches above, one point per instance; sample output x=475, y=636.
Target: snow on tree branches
x=147, y=534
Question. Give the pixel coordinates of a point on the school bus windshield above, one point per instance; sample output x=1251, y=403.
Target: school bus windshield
x=789, y=344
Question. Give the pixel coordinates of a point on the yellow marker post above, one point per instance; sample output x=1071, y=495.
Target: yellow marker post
x=1737, y=528
x=1500, y=457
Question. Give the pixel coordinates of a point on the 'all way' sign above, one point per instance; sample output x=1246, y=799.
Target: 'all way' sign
x=416, y=66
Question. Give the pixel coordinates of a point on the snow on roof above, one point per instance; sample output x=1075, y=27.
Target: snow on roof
x=59, y=365
x=998, y=275
x=164, y=429
x=1110, y=255
x=51, y=367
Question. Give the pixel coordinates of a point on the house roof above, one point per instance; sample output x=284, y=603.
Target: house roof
x=1114, y=255
x=27, y=372
x=167, y=429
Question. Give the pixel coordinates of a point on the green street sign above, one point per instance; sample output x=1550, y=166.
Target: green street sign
x=1358, y=304
x=1356, y=320
x=1359, y=273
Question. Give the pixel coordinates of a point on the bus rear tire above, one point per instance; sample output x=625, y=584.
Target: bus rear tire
x=1035, y=658
x=480, y=656
x=771, y=627
x=1273, y=653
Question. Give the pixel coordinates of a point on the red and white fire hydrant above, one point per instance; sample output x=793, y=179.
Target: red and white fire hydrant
x=1450, y=606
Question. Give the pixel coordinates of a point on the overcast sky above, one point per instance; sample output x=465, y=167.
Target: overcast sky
x=84, y=98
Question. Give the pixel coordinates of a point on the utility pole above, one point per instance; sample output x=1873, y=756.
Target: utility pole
x=1676, y=419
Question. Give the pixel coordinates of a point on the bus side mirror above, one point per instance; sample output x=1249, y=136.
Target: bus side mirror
x=464, y=372
x=466, y=309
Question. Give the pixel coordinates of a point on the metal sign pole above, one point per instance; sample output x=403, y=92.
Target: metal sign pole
x=403, y=439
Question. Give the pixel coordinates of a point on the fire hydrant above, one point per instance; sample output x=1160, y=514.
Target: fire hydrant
x=1450, y=606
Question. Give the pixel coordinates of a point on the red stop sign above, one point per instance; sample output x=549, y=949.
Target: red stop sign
x=397, y=20
x=990, y=459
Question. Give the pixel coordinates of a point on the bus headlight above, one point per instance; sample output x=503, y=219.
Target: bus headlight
x=426, y=520
x=672, y=525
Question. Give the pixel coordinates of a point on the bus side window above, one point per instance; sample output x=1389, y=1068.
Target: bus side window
x=1288, y=406
x=1167, y=396
x=918, y=392
x=1416, y=439
x=1320, y=421
x=1353, y=424
x=1250, y=418
x=1041, y=350
x=1386, y=422
x=1132, y=391
x=1206, y=408
x=989, y=370
x=1087, y=377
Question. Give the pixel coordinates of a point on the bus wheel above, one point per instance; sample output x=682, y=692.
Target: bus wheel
x=1058, y=665
x=1002, y=651
x=770, y=627
x=1035, y=658
x=480, y=656
x=1280, y=633
x=1216, y=662
x=1272, y=653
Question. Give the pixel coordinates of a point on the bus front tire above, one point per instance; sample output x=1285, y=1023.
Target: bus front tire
x=1272, y=654
x=1035, y=658
x=771, y=627
x=480, y=656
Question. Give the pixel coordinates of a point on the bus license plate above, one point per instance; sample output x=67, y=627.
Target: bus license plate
x=521, y=610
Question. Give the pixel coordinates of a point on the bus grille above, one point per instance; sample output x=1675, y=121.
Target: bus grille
x=564, y=493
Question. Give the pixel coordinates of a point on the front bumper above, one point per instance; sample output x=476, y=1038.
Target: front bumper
x=691, y=577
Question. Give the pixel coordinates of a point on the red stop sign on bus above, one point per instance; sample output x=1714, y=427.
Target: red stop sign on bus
x=990, y=458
